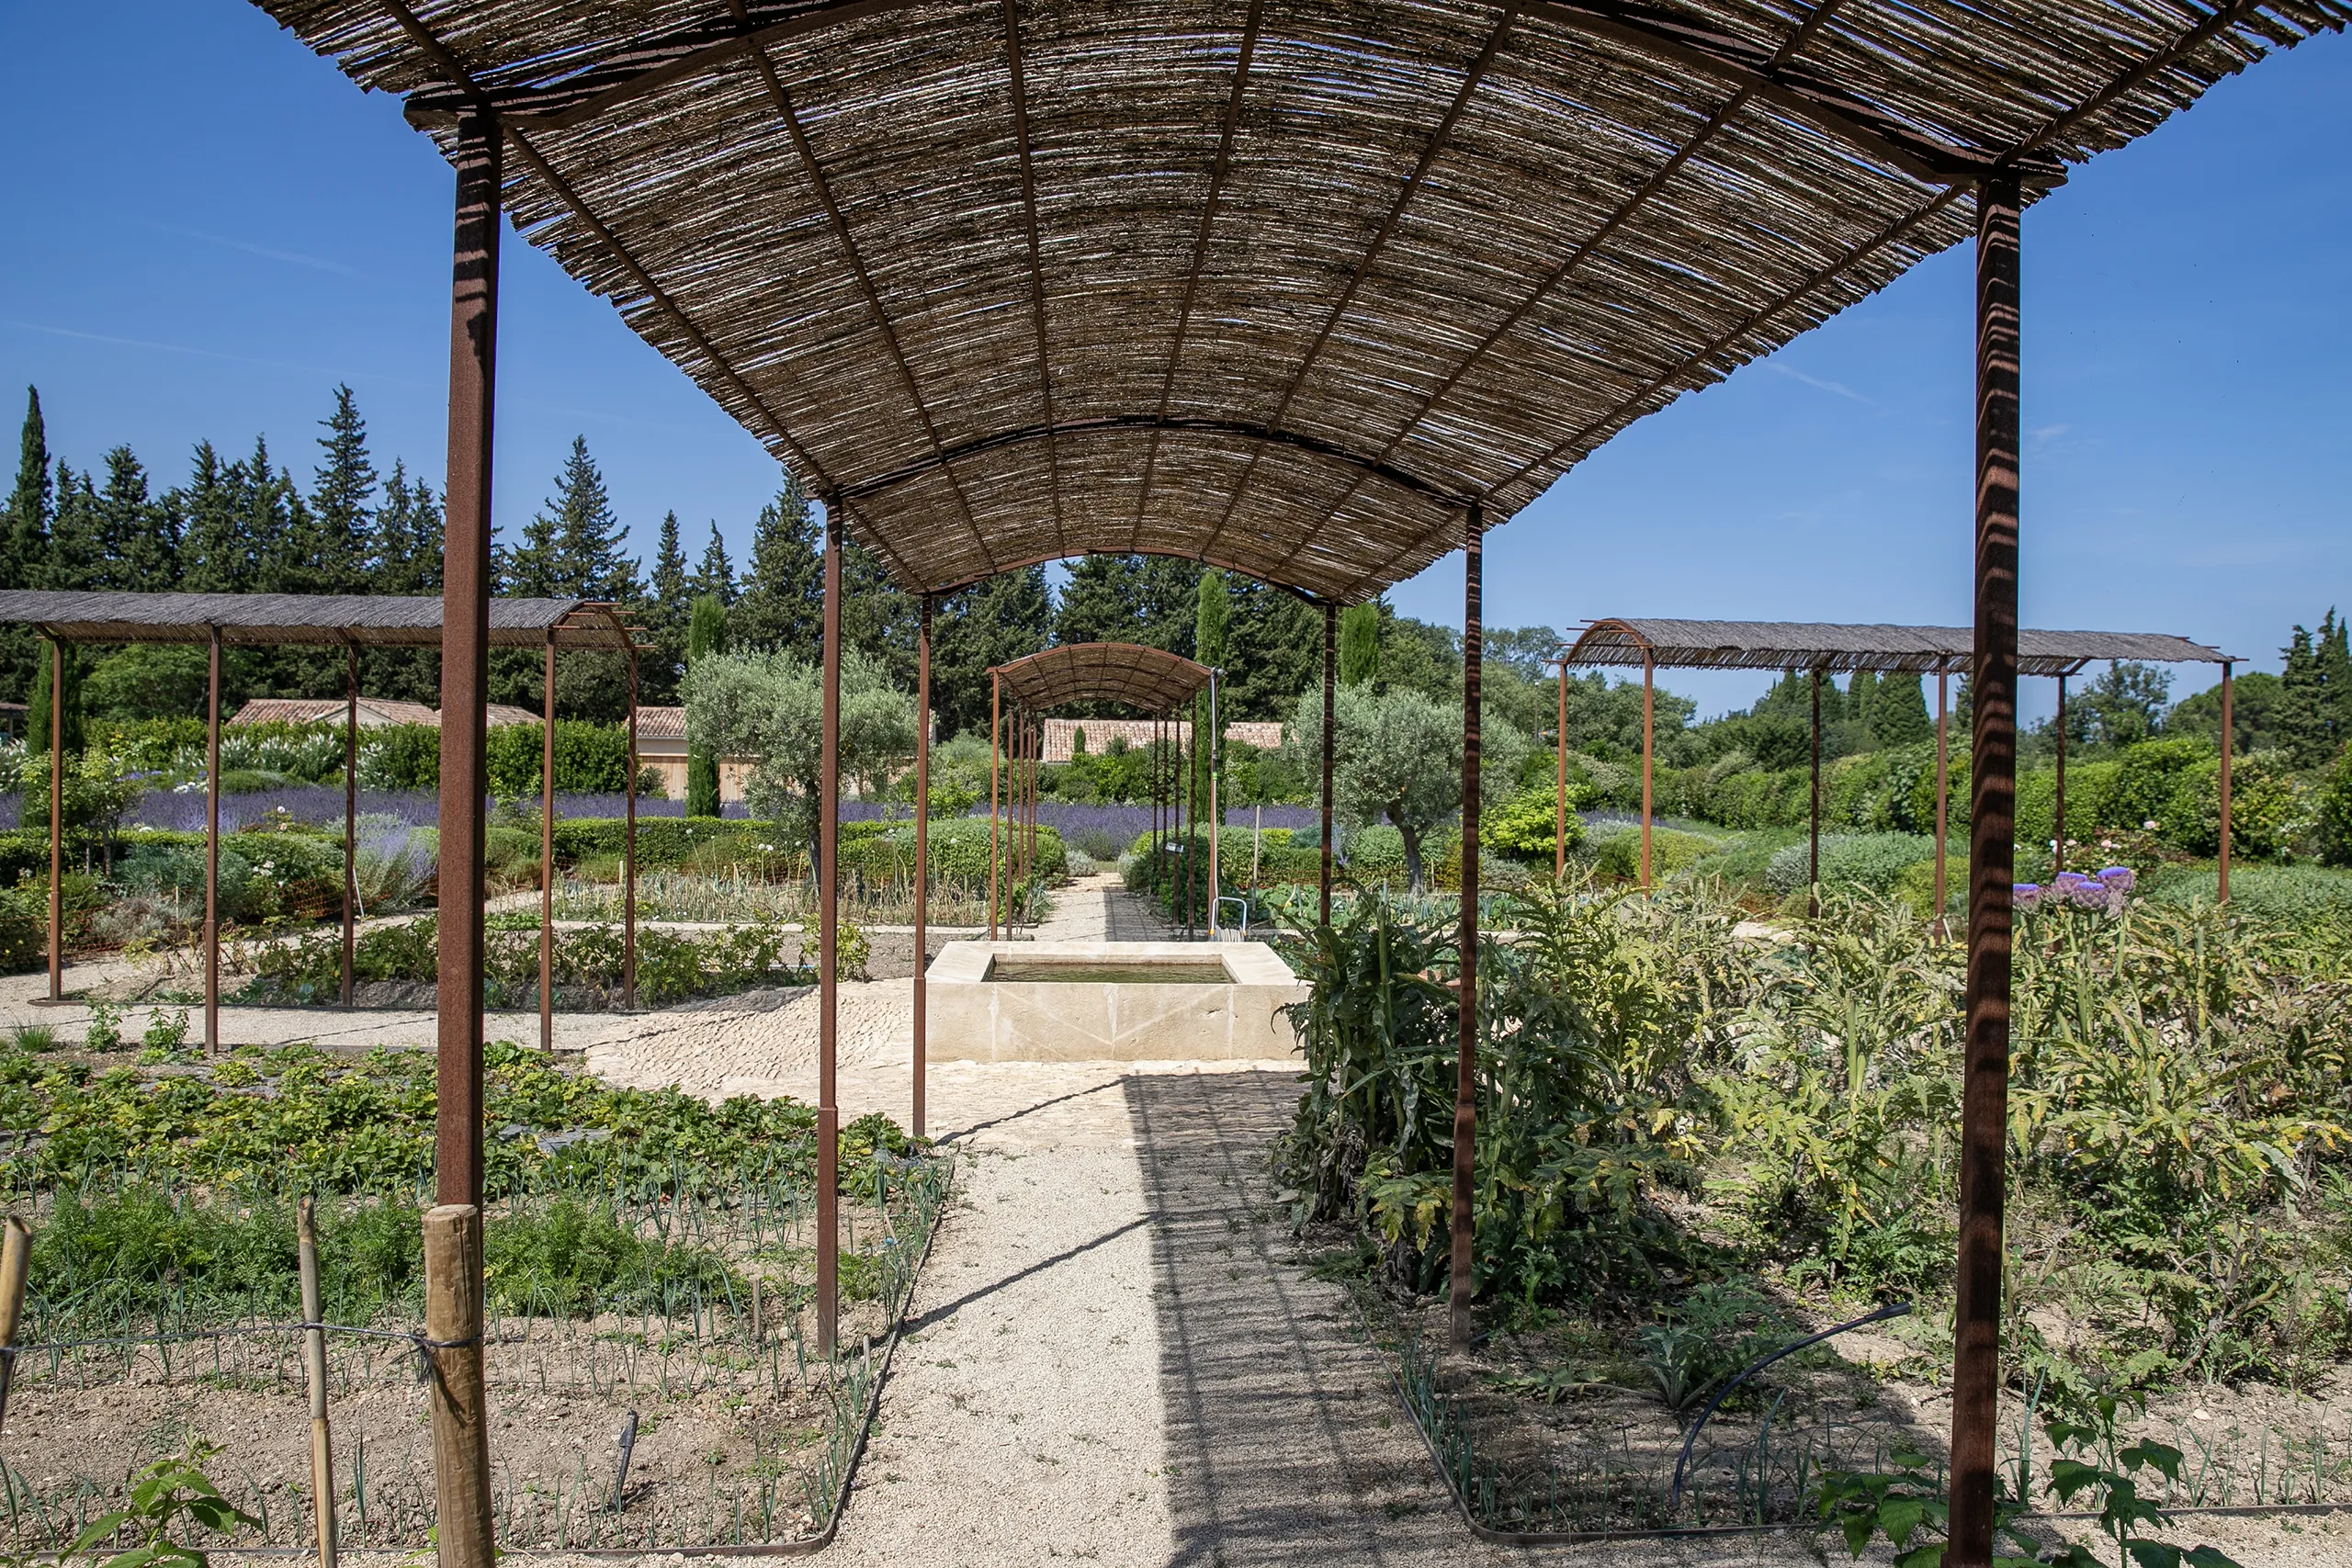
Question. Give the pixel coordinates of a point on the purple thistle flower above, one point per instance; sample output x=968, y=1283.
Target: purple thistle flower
x=2025, y=895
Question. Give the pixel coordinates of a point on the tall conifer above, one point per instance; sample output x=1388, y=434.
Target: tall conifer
x=1360, y=644
x=341, y=515
x=24, y=540
x=139, y=537
x=716, y=576
x=213, y=555
x=781, y=605
x=77, y=534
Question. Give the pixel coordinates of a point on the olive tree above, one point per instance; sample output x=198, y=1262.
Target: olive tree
x=770, y=706
x=1396, y=757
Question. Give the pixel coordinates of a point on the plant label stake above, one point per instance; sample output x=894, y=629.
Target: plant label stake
x=314, y=1367
x=625, y=1441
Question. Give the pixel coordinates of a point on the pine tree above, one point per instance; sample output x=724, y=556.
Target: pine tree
x=781, y=607
x=274, y=524
x=588, y=559
x=994, y=620
x=407, y=551
x=139, y=537
x=669, y=583
x=716, y=576
x=2316, y=694
x=2333, y=660
x=341, y=521
x=1276, y=652
x=77, y=534
x=213, y=558
x=1360, y=644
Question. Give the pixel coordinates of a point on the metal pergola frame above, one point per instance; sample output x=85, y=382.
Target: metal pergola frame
x=1824, y=648
x=1810, y=160
x=1132, y=674
x=352, y=622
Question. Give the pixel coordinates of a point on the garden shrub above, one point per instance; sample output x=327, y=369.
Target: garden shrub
x=1527, y=826
x=2298, y=896
x=1870, y=861
x=1373, y=853
x=400, y=756
x=2333, y=810
x=1620, y=856
x=661, y=841
x=590, y=758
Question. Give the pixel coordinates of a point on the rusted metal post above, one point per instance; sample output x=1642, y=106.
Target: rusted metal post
x=57, y=823
x=546, y=854
x=1943, y=792
x=1976, y=1363
x=829, y=832
x=922, y=853
x=465, y=676
x=996, y=754
x=453, y=1230
x=1465, y=1076
x=1649, y=747
x=314, y=1370
x=458, y=1392
x=211, y=838
x=1331, y=725
x=1813, y=854
x=2227, y=746
x=1560, y=783
x=628, y=848
x=350, y=819
x=1215, y=754
x=2058, y=800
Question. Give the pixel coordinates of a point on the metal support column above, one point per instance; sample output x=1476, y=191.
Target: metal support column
x=829, y=829
x=628, y=848
x=996, y=751
x=547, y=854
x=1560, y=782
x=211, y=837
x=460, y=1431
x=1465, y=1076
x=57, y=823
x=1649, y=748
x=922, y=856
x=350, y=817
x=2058, y=801
x=2228, y=746
x=1942, y=926
x=1331, y=723
x=1992, y=822
x=1813, y=818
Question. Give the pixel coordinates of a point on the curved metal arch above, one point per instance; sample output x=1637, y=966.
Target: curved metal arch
x=1222, y=562
x=1241, y=430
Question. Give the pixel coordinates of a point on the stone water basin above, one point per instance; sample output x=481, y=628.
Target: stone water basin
x=1120, y=1001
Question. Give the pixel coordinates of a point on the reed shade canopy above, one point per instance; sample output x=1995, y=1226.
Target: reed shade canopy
x=1813, y=645
x=276, y=620
x=1280, y=284
x=1148, y=678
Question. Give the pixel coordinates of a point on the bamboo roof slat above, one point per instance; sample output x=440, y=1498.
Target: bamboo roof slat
x=1150, y=679
x=1281, y=285
x=259, y=620
x=1813, y=645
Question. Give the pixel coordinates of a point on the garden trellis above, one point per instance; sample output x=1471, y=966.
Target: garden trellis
x=1311, y=293
x=1127, y=673
x=352, y=622
x=1824, y=648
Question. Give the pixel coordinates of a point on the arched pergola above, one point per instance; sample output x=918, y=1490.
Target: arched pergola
x=1131, y=674
x=1312, y=292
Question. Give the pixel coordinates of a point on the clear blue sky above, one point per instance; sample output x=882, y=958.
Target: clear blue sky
x=204, y=242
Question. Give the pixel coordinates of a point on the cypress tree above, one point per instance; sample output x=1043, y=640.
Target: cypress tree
x=24, y=540
x=1861, y=694
x=1211, y=621
x=342, y=519
x=716, y=575
x=706, y=634
x=1899, y=714
x=2303, y=711
x=1360, y=644
x=38, y=699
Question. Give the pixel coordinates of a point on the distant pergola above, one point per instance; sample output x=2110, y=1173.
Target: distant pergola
x=1151, y=680
x=1823, y=648
x=1317, y=294
x=350, y=622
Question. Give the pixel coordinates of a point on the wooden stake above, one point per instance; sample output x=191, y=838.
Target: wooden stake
x=460, y=1406
x=314, y=1368
x=16, y=1261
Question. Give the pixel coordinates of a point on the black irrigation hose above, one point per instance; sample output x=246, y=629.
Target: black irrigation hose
x=1689, y=1439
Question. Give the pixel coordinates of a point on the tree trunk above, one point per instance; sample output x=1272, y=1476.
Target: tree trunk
x=1414, y=883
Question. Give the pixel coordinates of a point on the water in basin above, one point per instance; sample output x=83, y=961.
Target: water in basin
x=1113, y=972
